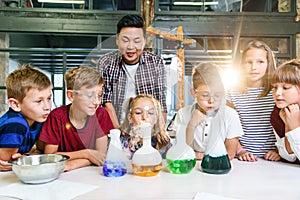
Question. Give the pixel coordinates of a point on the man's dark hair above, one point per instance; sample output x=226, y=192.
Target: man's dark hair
x=131, y=20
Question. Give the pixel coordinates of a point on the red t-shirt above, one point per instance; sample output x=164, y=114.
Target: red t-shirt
x=58, y=130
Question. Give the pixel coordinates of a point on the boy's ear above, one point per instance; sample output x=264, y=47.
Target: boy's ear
x=192, y=91
x=70, y=95
x=14, y=104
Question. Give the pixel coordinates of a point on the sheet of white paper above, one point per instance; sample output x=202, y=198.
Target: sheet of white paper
x=209, y=196
x=58, y=190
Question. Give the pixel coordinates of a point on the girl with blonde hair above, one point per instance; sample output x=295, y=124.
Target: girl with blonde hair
x=144, y=108
x=285, y=117
x=254, y=103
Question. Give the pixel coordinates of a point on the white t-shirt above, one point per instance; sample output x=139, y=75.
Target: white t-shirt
x=201, y=135
x=130, y=91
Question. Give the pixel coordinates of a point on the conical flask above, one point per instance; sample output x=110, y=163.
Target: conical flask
x=216, y=160
x=114, y=165
x=181, y=158
x=146, y=161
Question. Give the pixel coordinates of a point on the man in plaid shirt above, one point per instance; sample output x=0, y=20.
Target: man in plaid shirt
x=130, y=70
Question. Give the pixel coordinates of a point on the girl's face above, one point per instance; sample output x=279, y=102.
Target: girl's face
x=286, y=94
x=143, y=110
x=207, y=100
x=255, y=65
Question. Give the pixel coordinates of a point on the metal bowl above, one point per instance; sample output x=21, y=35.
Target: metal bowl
x=42, y=168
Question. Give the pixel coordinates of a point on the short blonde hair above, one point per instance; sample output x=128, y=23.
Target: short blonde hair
x=20, y=81
x=207, y=73
x=82, y=76
x=288, y=72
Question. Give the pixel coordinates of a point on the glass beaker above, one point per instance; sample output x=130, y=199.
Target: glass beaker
x=114, y=165
x=216, y=160
x=181, y=158
x=146, y=161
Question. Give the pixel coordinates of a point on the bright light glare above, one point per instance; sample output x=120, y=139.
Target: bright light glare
x=230, y=78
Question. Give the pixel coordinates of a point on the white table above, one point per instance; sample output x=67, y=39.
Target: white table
x=246, y=180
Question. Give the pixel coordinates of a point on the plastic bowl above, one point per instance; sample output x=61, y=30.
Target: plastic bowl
x=37, y=169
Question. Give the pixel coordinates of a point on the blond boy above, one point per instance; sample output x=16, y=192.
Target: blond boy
x=79, y=129
x=29, y=94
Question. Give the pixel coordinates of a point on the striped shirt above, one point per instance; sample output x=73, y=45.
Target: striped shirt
x=255, y=115
x=150, y=78
x=15, y=132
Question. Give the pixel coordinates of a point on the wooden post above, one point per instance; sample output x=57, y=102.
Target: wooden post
x=181, y=70
x=180, y=54
x=148, y=15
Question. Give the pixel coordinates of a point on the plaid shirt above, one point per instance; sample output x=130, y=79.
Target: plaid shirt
x=150, y=78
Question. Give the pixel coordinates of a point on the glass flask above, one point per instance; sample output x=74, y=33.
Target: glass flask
x=146, y=161
x=114, y=165
x=216, y=160
x=181, y=158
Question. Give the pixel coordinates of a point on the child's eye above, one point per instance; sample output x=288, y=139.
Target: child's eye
x=137, y=112
x=90, y=95
x=151, y=112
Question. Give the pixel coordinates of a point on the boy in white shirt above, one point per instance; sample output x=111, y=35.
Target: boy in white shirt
x=209, y=92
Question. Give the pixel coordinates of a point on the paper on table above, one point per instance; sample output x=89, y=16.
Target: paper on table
x=209, y=196
x=58, y=190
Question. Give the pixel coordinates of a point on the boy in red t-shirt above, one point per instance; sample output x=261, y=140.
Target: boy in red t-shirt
x=79, y=130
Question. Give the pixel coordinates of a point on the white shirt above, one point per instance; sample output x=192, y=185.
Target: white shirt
x=293, y=137
x=130, y=86
x=232, y=123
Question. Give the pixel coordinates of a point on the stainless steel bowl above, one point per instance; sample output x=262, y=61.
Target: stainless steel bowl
x=42, y=168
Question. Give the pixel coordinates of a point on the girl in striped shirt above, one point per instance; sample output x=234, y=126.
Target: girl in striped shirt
x=254, y=103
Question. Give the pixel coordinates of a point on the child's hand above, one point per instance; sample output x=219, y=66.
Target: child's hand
x=246, y=156
x=197, y=117
x=272, y=155
x=96, y=157
x=5, y=166
x=290, y=116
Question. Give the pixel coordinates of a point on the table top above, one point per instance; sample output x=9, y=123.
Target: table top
x=246, y=180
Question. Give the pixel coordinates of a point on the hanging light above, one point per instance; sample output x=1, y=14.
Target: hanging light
x=62, y=1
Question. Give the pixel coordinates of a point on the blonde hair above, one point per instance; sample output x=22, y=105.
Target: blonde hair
x=158, y=130
x=207, y=74
x=288, y=72
x=82, y=76
x=20, y=81
x=270, y=68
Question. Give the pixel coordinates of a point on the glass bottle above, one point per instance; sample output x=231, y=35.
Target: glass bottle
x=146, y=161
x=114, y=165
x=181, y=158
x=216, y=160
